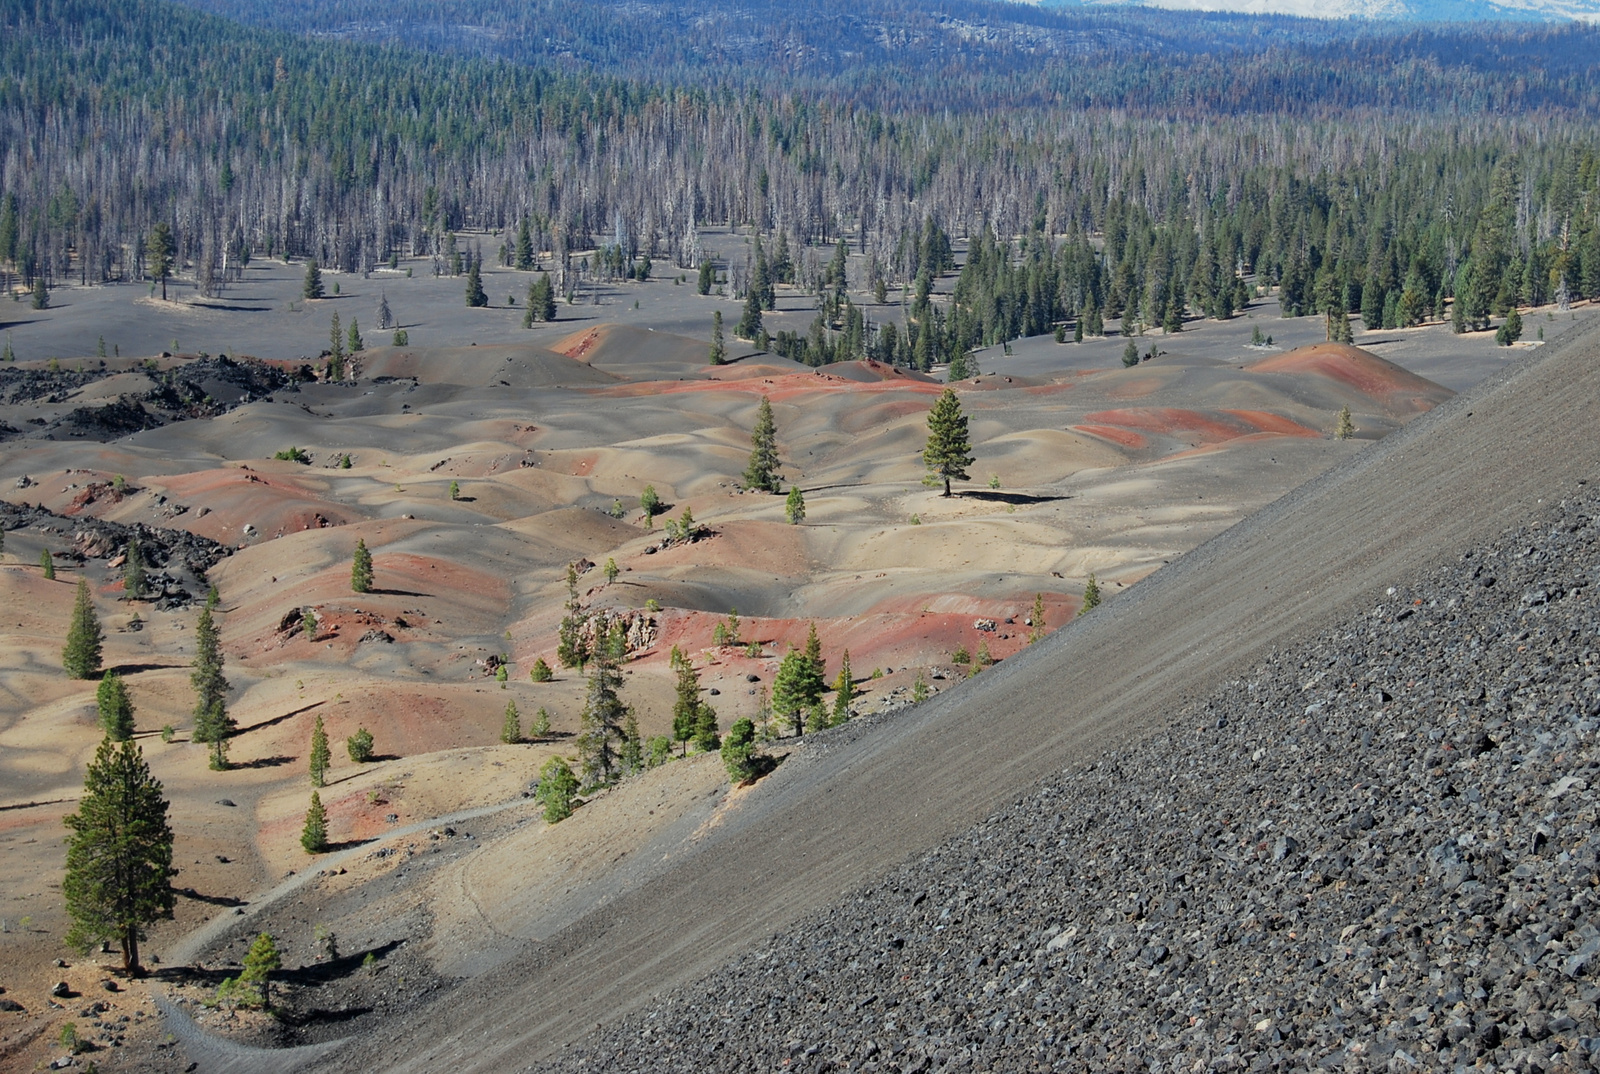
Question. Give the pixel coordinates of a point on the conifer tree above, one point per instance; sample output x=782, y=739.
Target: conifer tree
x=844, y=688
x=630, y=748
x=686, y=704
x=814, y=652
x=946, y=453
x=705, y=729
x=212, y=724
x=308, y=624
x=541, y=671
x=312, y=287
x=1091, y=596
x=708, y=276
x=511, y=727
x=47, y=564
x=541, y=723
x=41, y=294
x=762, y=473
x=81, y=655
x=1345, y=428
x=361, y=568
x=523, y=257
x=385, y=318
x=353, y=340
x=603, y=710
x=475, y=295
x=314, y=835
x=796, y=687
x=738, y=751
x=115, y=707
x=1036, y=620
x=749, y=326
x=260, y=962
x=119, y=855
x=794, y=506
x=719, y=349
x=321, y=755
x=359, y=746
x=557, y=786
x=158, y=252
x=135, y=579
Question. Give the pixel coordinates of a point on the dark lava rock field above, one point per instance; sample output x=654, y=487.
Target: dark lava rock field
x=1377, y=852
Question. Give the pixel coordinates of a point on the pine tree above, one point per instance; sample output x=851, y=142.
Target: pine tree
x=314, y=835
x=797, y=686
x=557, y=787
x=762, y=473
x=541, y=671
x=260, y=963
x=603, y=710
x=511, y=727
x=1091, y=596
x=359, y=746
x=81, y=656
x=813, y=653
x=630, y=749
x=523, y=257
x=1130, y=354
x=705, y=729
x=541, y=723
x=1345, y=428
x=361, y=568
x=1036, y=620
x=212, y=724
x=794, y=507
x=719, y=349
x=385, y=318
x=708, y=276
x=843, y=687
x=544, y=300
x=47, y=564
x=475, y=296
x=312, y=287
x=946, y=454
x=335, y=349
x=41, y=294
x=115, y=707
x=353, y=340
x=649, y=502
x=308, y=624
x=135, y=579
x=119, y=855
x=321, y=755
x=749, y=326
x=738, y=751
x=158, y=252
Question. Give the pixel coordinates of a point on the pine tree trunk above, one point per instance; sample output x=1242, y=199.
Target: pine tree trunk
x=130, y=951
x=947, y=486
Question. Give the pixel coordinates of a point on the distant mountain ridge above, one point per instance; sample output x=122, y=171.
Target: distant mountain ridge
x=1387, y=10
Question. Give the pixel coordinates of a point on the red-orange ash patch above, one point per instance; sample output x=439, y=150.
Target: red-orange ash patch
x=1126, y=437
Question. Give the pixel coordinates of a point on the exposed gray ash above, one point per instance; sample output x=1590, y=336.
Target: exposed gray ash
x=1378, y=852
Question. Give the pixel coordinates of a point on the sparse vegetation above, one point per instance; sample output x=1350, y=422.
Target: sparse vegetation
x=1091, y=595
x=511, y=726
x=1344, y=429
x=115, y=708
x=294, y=454
x=540, y=672
x=794, y=508
x=738, y=751
x=320, y=755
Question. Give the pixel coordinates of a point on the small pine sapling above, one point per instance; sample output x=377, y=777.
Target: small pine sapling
x=314, y=835
x=321, y=755
x=359, y=746
x=511, y=728
x=541, y=671
x=1091, y=596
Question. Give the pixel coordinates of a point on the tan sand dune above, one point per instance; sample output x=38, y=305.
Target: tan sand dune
x=523, y=365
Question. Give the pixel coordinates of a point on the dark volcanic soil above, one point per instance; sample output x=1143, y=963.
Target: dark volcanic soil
x=1377, y=849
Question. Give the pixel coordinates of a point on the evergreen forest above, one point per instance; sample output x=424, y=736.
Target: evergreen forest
x=1100, y=171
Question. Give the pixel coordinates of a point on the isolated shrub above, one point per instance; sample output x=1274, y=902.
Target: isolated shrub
x=541, y=671
x=541, y=723
x=293, y=454
x=511, y=728
x=359, y=746
x=1091, y=595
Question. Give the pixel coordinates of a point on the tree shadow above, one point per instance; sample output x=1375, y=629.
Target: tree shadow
x=318, y=1016
x=277, y=719
x=375, y=591
x=1008, y=497
x=335, y=969
x=230, y=309
x=134, y=669
x=264, y=762
x=347, y=844
x=764, y=764
x=214, y=900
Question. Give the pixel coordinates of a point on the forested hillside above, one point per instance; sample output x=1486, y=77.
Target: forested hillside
x=1146, y=180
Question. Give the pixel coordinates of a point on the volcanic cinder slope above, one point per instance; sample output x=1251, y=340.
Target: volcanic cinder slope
x=839, y=815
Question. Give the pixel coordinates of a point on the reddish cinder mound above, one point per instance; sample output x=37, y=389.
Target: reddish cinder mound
x=1209, y=426
x=275, y=504
x=1123, y=437
x=1396, y=391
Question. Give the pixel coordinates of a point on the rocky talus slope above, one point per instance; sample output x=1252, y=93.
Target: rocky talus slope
x=1377, y=851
